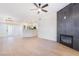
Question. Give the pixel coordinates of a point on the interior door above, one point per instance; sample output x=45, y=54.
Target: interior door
x=9, y=30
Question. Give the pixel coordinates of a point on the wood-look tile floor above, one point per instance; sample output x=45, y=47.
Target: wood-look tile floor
x=33, y=47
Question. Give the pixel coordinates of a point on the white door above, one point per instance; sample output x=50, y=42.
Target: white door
x=9, y=29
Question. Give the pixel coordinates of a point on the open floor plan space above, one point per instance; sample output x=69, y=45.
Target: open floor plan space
x=39, y=29
x=33, y=47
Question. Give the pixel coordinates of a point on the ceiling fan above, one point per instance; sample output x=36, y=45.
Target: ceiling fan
x=40, y=8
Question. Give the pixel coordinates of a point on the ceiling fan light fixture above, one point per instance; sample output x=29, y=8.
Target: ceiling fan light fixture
x=39, y=9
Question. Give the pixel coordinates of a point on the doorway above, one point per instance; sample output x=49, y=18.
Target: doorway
x=9, y=30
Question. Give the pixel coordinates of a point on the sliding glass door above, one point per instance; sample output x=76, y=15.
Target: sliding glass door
x=10, y=30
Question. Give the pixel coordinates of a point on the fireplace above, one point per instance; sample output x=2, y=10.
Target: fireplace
x=66, y=40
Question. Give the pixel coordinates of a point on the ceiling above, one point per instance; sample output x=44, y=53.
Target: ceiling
x=22, y=11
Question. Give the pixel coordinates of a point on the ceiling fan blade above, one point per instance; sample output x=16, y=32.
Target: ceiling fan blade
x=45, y=5
x=35, y=5
x=44, y=10
x=39, y=4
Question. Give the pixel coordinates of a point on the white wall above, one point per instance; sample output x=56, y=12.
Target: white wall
x=17, y=30
x=48, y=22
x=48, y=26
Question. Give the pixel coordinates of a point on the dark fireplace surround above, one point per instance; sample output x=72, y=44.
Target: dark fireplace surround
x=68, y=25
x=66, y=40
